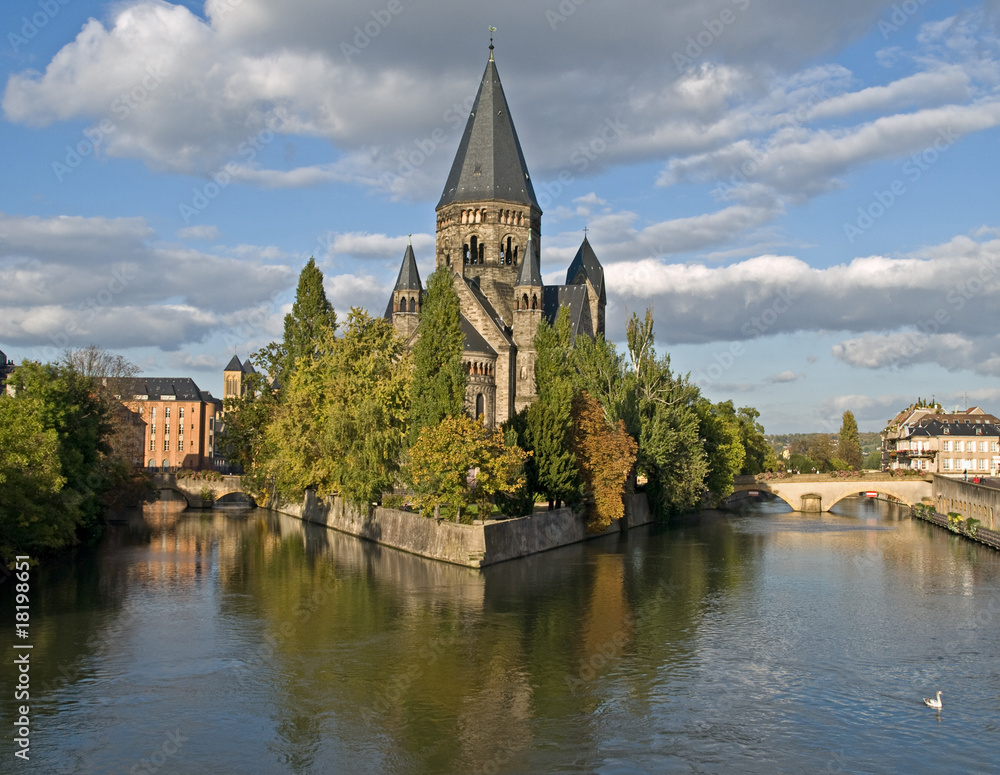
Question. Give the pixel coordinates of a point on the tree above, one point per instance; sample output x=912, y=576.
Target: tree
x=312, y=316
x=459, y=461
x=31, y=514
x=848, y=443
x=549, y=419
x=127, y=482
x=244, y=441
x=66, y=406
x=759, y=456
x=438, y=387
x=606, y=454
x=719, y=429
x=342, y=422
x=671, y=454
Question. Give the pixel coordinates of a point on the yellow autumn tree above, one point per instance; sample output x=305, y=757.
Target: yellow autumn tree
x=460, y=461
x=605, y=454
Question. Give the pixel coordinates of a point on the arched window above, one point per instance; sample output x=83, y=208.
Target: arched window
x=480, y=405
x=474, y=251
x=413, y=304
x=152, y=463
x=402, y=304
x=465, y=253
x=524, y=301
x=534, y=301
x=166, y=465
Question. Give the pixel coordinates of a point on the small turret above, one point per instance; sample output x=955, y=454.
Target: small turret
x=407, y=296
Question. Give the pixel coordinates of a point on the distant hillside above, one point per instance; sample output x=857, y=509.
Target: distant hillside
x=869, y=441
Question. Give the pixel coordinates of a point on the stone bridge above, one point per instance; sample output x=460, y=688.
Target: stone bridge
x=820, y=492
x=191, y=488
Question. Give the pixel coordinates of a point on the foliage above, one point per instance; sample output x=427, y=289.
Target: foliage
x=459, y=461
x=671, y=454
x=243, y=441
x=719, y=429
x=342, y=422
x=759, y=456
x=53, y=457
x=873, y=460
x=438, y=387
x=848, y=444
x=207, y=494
x=126, y=483
x=31, y=513
x=312, y=318
x=606, y=454
x=549, y=419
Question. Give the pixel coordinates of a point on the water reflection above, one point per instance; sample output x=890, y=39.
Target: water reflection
x=762, y=641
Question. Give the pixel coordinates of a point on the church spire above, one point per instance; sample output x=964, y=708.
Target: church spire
x=530, y=274
x=489, y=164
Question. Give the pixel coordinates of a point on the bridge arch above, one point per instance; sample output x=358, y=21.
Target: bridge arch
x=815, y=493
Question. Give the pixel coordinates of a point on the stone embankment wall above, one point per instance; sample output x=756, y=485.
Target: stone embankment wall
x=969, y=499
x=474, y=546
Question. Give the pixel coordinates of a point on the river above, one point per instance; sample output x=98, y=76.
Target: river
x=762, y=641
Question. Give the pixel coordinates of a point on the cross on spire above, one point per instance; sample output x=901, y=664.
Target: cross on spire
x=492, y=30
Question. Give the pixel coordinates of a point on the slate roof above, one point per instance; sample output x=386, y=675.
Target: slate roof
x=178, y=388
x=572, y=296
x=530, y=274
x=473, y=284
x=234, y=364
x=489, y=163
x=474, y=342
x=409, y=277
x=585, y=266
x=934, y=428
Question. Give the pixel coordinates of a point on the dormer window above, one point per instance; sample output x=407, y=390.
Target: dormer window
x=947, y=431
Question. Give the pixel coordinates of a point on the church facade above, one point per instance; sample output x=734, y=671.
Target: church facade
x=488, y=234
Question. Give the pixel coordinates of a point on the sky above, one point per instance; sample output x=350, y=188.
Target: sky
x=804, y=194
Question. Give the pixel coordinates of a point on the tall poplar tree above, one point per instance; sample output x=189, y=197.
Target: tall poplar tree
x=848, y=443
x=438, y=387
x=549, y=419
x=311, y=316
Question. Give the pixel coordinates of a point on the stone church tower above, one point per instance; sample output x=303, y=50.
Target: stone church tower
x=489, y=237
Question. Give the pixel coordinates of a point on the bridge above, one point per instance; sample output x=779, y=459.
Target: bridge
x=224, y=490
x=821, y=492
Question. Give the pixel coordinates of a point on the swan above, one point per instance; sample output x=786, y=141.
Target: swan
x=935, y=703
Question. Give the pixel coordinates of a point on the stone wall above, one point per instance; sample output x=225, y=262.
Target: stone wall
x=968, y=499
x=474, y=546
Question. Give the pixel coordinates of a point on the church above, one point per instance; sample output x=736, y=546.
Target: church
x=488, y=234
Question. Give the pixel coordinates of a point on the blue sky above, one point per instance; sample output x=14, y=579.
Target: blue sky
x=804, y=193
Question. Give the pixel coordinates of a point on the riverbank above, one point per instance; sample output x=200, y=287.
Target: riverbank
x=964, y=527
x=475, y=546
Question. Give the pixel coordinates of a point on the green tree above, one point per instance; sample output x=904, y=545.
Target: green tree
x=243, y=441
x=671, y=454
x=67, y=403
x=848, y=443
x=725, y=454
x=342, y=422
x=438, y=387
x=459, y=461
x=127, y=483
x=759, y=456
x=312, y=316
x=31, y=514
x=549, y=419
